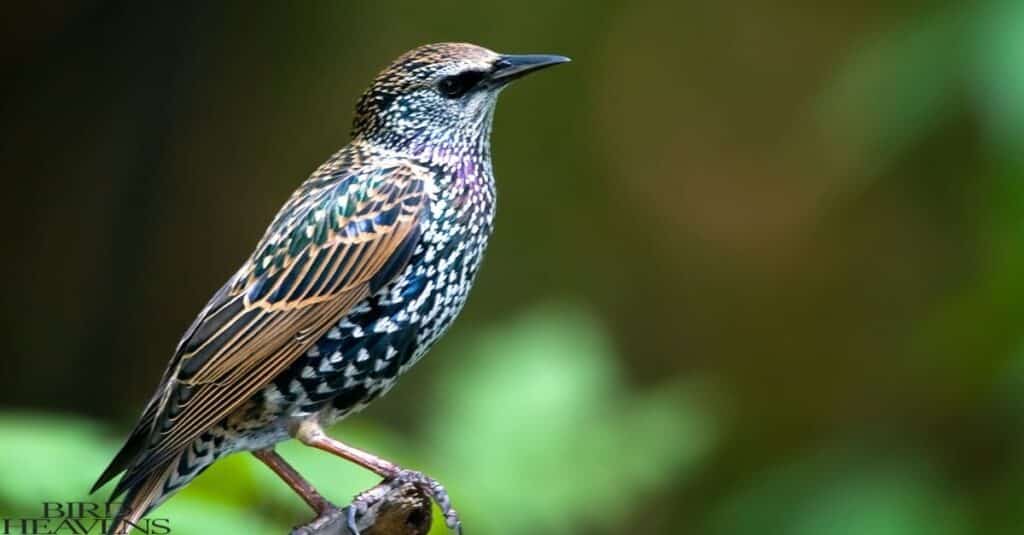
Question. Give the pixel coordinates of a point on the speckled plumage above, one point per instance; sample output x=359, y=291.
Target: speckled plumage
x=361, y=271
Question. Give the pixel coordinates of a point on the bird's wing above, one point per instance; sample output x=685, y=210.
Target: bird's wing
x=338, y=239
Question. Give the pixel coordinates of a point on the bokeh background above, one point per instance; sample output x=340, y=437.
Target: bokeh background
x=757, y=266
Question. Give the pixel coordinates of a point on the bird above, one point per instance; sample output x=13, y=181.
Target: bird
x=361, y=271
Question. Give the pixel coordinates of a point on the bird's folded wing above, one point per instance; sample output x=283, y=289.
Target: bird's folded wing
x=335, y=242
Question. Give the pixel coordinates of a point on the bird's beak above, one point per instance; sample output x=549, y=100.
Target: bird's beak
x=509, y=67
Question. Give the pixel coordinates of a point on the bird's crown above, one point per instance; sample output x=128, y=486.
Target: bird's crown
x=440, y=96
x=425, y=72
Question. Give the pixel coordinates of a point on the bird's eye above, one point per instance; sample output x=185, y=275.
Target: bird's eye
x=457, y=85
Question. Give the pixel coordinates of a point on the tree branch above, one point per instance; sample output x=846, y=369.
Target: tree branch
x=391, y=510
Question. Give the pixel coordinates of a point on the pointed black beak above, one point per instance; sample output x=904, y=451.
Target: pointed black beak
x=509, y=67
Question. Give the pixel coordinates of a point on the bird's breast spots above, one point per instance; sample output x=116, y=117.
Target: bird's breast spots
x=432, y=188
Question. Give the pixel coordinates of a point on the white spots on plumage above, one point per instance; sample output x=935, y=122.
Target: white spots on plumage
x=384, y=325
x=308, y=372
x=272, y=396
x=326, y=365
x=336, y=357
x=334, y=334
x=351, y=370
x=362, y=355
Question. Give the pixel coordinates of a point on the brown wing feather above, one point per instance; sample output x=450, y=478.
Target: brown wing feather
x=317, y=260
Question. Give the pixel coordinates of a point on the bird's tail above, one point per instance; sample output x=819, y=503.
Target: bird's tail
x=142, y=498
x=147, y=486
x=149, y=480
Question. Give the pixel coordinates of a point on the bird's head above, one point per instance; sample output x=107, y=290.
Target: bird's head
x=440, y=95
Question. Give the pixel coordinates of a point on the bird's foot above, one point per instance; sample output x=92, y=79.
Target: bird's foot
x=436, y=491
x=328, y=515
x=421, y=481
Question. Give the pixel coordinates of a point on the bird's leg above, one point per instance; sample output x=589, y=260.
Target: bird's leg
x=298, y=483
x=310, y=433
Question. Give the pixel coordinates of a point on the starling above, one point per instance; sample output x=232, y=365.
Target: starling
x=361, y=271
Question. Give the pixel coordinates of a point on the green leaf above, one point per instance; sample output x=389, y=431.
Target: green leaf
x=537, y=416
x=999, y=61
x=898, y=87
x=837, y=494
x=48, y=458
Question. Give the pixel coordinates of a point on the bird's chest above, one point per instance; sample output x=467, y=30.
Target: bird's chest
x=439, y=280
x=363, y=355
x=432, y=289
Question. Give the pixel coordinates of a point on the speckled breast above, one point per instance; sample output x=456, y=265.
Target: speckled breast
x=362, y=356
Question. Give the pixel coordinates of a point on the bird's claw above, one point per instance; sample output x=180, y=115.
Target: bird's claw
x=436, y=491
x=358, y=506
x=429, y=486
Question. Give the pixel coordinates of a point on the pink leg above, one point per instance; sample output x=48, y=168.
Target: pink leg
x=310, y=433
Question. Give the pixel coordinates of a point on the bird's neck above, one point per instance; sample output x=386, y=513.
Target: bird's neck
x=463, y=160
x=462, y=150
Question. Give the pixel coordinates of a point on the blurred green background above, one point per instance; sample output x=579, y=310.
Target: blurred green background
x=757, y=267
